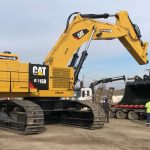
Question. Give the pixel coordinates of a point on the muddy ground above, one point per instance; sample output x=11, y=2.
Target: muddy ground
x=116, y=135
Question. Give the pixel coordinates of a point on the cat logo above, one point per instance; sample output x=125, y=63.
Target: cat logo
x=39, y=76
x=79, y=34
x=40, y=71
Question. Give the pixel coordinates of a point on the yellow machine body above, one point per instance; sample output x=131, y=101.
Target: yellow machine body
x=16, y=78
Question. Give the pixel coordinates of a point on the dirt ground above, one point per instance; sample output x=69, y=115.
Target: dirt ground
x=116, y=135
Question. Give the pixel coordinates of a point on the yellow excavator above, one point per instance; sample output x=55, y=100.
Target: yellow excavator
x=31, y=93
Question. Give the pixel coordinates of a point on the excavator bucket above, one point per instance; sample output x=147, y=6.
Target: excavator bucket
x=136, y=93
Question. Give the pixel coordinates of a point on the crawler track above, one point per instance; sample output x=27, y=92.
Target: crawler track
x=29, y=119
x=92, y=118
x=99, y=119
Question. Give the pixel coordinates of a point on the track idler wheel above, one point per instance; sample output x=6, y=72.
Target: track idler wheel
x=120, y=114
x=132, y=115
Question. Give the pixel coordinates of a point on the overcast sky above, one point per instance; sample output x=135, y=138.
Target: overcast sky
x=30, y=28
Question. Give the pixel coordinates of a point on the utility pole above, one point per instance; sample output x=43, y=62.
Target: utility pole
x=148, y=71
x=83, y=79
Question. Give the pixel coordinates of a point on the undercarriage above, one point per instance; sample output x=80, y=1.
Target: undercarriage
x=29, y=116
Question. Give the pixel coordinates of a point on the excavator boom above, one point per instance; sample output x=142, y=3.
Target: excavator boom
x=80, y=29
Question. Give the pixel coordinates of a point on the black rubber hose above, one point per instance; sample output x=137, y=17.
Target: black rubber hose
x=68, y=20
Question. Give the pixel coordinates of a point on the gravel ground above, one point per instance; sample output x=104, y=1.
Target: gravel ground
x=116, y=135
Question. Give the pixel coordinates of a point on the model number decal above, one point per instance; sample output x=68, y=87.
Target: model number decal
x=79, y=34
x=106, y=30
x=39, y=76
x=8, y=57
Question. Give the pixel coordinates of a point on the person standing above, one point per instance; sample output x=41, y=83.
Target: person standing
x=106, y=107
x=147, y=106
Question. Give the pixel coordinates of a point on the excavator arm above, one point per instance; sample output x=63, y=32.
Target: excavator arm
x=85, y=27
